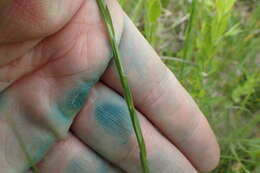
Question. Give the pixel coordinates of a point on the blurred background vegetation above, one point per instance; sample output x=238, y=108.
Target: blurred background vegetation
x=213, y=47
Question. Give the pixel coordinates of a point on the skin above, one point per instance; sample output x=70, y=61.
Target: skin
x=114, y=118
x=59, y=86
x=75, y=99
x=80, y=159
x=126, y=154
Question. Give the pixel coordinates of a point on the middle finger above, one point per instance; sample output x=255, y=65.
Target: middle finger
x=104, y=124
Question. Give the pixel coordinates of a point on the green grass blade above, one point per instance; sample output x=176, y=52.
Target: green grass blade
x=189, y=35
x=124, y=82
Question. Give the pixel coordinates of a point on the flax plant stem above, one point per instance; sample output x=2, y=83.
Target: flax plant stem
x=124, y=82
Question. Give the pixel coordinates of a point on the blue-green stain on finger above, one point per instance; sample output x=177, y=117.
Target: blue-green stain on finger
x=103, y=168
x=75, y=99
x=77, y=166
x=114, y=118
x=89, y=163
x=39, y=146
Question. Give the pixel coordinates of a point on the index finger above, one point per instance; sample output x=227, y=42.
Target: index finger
x=159, y=96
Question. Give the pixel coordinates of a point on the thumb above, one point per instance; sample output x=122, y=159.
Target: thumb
x=22, y=20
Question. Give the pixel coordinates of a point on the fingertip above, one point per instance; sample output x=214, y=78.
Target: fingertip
x=213, y=159
x=206, y=152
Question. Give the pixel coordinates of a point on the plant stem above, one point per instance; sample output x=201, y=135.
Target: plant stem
x=124, y=82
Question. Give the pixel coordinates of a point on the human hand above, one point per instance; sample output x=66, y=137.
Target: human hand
x=60, y=93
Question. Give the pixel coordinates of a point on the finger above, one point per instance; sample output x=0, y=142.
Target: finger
x=43, y=103
x=159, y=96
x=35, y=142
x=72, y=156
x=104, y=124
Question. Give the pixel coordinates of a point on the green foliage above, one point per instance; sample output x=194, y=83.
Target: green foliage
x=165, y=3
x=246, y=88
x=150, y=11
x=213, y=47
x=153, y=12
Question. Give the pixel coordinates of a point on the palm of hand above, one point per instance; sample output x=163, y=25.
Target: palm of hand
x=50, y=71
x=46, y=82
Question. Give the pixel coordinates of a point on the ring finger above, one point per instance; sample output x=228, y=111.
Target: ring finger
x=72, y=156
